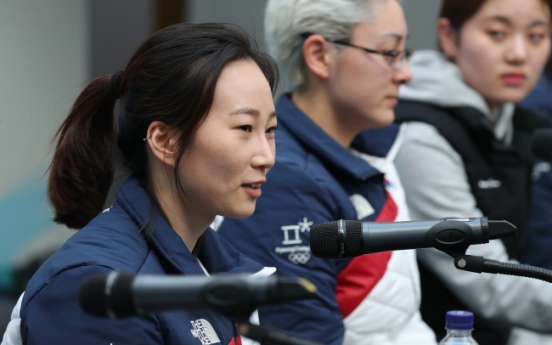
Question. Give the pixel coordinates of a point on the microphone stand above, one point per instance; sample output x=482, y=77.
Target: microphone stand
x=269, y=335
x=479, y=264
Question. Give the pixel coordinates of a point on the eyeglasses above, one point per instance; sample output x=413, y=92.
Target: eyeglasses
x=394, y=58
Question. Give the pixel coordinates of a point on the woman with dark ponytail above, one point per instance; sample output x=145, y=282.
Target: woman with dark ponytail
x=196, y=134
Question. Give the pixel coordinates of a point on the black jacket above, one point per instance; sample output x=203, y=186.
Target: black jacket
x=500, y=179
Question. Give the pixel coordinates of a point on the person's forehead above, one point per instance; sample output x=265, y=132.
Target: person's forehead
x=527, y=12
x=384, y=32
x=386, y=23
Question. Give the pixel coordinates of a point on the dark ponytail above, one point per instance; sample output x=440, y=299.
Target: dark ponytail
x=82, y=168
x=170, y=78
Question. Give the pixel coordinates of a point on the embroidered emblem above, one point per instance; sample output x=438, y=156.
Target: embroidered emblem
x=305, y=225
x=291, y=234
x=297, y=254
x=204, y=331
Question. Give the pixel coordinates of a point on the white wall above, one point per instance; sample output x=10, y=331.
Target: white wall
x=249, y=14
x=117, y=28
x=421, y=16
x=43, y=65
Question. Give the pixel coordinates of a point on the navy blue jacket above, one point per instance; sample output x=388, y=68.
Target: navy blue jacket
x=539, y=236
x=50, y=312
x=311, y=183
x=540, y=98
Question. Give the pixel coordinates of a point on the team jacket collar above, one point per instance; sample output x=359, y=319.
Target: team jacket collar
x=373, y=143
x=216, y=255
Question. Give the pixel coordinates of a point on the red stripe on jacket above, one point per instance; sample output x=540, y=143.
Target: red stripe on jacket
x=362, y=273
x=235, y=341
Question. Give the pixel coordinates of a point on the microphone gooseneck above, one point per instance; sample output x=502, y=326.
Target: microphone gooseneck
x=478, y=264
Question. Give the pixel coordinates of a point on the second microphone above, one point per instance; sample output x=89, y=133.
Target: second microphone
x=349, y=238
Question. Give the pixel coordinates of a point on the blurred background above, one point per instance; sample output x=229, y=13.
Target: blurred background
x=49, y=51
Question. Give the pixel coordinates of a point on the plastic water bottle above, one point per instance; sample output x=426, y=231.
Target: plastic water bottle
x=459, y=327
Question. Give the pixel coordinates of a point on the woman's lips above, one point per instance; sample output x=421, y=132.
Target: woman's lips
x=514, y=79
x=253, y=189
x=392, y=99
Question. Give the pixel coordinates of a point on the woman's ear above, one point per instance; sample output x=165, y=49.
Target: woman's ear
x=162, y=142
x=448, y=38
x=316, y=55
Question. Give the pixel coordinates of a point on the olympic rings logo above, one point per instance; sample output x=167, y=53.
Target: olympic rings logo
x=299, y=257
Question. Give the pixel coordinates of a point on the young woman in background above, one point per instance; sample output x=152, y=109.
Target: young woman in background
x=466, y=153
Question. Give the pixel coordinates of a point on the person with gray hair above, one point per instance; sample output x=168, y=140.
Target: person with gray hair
x=286, y=21
x=345, y=61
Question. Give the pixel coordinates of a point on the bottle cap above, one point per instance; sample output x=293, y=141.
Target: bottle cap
x=459, y=319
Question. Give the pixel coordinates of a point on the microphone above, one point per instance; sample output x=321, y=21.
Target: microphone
x=119, y=295
x=541, y=144
x=350, y=238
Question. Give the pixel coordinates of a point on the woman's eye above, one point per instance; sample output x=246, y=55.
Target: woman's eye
x=497, y=34
x=536, y=37
x=391, y=55
x=246, y=128
x=271, y=129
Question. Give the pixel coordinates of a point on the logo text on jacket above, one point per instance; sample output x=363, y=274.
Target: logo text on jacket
x=204, y=331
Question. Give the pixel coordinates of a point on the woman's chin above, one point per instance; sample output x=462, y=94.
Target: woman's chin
x=508, y=95
x=241, y=213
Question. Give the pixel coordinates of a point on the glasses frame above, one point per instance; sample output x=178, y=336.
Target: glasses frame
x=392, y=54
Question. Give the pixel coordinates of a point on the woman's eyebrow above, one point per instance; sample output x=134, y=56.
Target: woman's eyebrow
x=508, y=22
x=395, y=36
x=499, y=18
x=249, y=111
x=539, y=22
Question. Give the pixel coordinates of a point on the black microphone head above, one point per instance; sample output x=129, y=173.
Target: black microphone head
x=541, y=145
x=108, y=295
x=92, y=297
x=327, y=242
